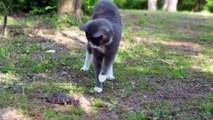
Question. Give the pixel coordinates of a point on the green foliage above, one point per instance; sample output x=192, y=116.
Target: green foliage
x=210, y=5
x=7, y=68
x=67, y=22
x=120, y=3
x=33, y=6
x=131, y=4
x=195, y=5
x=98, y=103
x=88, y=6
x=185, y=5
x=210, y=109
x=24, y=58
x=37, y=68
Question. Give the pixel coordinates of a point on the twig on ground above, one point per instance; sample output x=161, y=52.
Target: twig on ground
x=168, y=62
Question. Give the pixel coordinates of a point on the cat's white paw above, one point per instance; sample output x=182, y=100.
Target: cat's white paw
x=84, y=68
x=102, y=78
x=98, y=89
x=110, y=77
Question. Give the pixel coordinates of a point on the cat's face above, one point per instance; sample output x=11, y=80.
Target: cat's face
x=98, y=34
x=100, y=40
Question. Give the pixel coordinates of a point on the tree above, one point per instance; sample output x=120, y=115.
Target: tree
x=71, y=8
x=5, y=5
x=170, y=5
x=199, y=4
x=152, y=4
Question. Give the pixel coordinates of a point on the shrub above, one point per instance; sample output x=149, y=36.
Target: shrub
x=33, y=6
x=88, y=6
x=210, y=5
x=185, y=5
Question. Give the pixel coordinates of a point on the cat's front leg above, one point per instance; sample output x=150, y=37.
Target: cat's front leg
x=110, y=74
x=98, y=59
x=87, y=62
x=106, y=70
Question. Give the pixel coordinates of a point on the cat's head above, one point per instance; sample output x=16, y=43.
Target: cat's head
x=99, y=32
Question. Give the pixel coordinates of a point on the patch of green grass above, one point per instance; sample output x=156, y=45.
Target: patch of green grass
x=7, y=99
x=208, y=25
x=50, y=20
x=98, y=103
x=77, y=111
x=136, y=116
x=141, y=21
x=9, y=67
x=24, y=58
x=4, y=52
x=207, y=108
x=49, y=113
x=28, y=21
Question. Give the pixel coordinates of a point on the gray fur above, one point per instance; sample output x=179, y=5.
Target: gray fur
x=103, y=33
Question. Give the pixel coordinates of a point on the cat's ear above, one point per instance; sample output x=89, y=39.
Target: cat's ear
x=86, y=26
x=98, y=34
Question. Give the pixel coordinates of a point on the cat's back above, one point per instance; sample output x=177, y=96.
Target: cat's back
x=107, y=10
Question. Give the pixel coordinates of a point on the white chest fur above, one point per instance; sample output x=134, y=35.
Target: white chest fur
x=102, y=47
x=99, y=48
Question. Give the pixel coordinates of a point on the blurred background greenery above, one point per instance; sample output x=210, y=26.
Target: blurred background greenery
x=45, y=6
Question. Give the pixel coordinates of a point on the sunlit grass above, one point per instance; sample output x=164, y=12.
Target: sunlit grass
x=25, y=21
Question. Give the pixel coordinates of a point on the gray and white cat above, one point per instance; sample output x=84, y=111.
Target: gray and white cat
x=103, y=33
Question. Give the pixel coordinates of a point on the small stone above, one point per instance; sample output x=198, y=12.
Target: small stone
x=50, y=51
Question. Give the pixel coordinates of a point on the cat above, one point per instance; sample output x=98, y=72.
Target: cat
x=103, y=33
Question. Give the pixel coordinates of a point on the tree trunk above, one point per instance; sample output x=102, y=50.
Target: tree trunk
x=165, y=4
x=199, y=4
x=170, y=5
x=71, y=8
x=5, y=5
x=152, y=5
x=76, y=11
